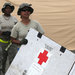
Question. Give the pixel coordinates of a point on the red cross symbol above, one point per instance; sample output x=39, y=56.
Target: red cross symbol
x=42, y=57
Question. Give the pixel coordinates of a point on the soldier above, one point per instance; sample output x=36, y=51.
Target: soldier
x=7, y=21
x=21, y=29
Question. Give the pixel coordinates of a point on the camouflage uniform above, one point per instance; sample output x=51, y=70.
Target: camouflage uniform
x=1, y=58
x=6, y=24
x=10, y=53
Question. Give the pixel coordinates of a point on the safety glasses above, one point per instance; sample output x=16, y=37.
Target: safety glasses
x=26, y=10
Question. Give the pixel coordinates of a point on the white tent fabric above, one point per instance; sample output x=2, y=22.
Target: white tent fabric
x=57, y=17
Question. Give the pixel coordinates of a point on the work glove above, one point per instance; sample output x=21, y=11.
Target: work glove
x=23, y=41
x=6, y=33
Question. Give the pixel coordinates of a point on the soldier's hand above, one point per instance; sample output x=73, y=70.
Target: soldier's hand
x=24, y=41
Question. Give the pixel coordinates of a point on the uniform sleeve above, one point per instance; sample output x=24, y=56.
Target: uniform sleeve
x=14, y=32
x=39, y=28
x=15, y=20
